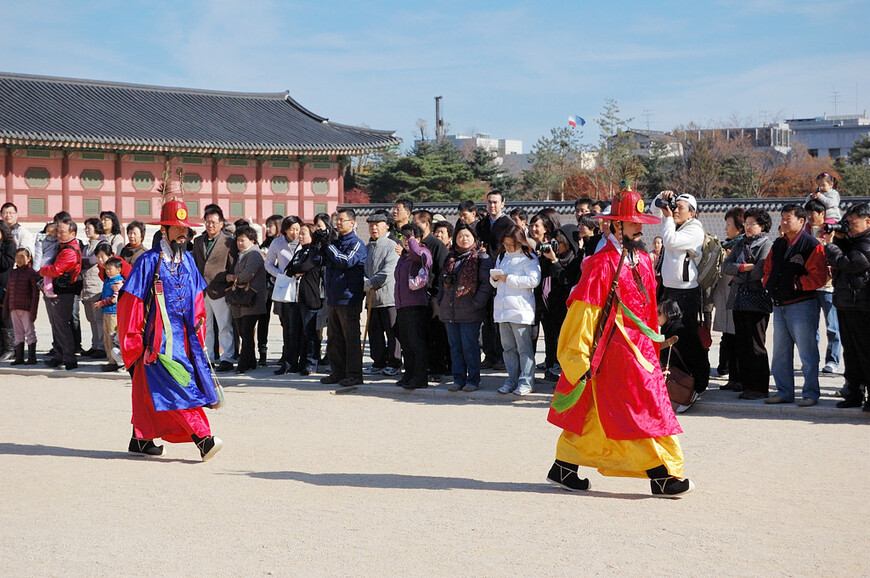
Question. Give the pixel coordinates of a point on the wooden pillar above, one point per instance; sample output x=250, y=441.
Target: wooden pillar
x=8, y=178
x=214, y=181
x=340, y=183
x=259, y=190
x=119, y=183
x=64, y=186
x=300, y=178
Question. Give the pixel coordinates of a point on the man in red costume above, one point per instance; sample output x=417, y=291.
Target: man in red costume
x=161, y=316
x=611, y=400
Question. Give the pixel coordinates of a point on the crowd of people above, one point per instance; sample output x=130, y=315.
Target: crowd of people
x=460, y=297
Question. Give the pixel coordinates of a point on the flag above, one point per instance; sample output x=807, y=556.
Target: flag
x=575, y=120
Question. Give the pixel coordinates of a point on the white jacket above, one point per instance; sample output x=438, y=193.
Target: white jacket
x=677, y=243
x=515, y=297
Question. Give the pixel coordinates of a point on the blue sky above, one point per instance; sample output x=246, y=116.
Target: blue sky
x=510, y=69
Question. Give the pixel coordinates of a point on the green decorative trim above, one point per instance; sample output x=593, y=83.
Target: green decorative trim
x=238, y=163
x=88, y=156
x=191, y=183
x=192, y=208
x=320, y=187
x=144, y=159
x=281, y=164
x=651, y=333
x=562, y=403
x=237, y=183
x=37, y=177
x=91, y=179
x=192, y=160
x=37, y=154
x=237, y=209
x=91, y=206
x=280, y=185
x=37, y=206
x=143, y=181
x=322, y=166
x=279, y=208
x=320, y=208
x=143, y=207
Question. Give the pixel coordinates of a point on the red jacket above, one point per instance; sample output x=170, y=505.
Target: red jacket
x=22, y=293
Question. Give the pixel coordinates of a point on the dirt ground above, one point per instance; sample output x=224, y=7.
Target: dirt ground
x=311, y=483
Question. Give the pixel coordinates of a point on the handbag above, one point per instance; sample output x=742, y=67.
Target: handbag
x=752, y=299
x=420, y=281
x=286, y=289
x=241, y=296
x=681, y=385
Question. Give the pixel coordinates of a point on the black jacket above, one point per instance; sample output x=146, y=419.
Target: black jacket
x=850, y=260
x=308, y=262
x=490, y=233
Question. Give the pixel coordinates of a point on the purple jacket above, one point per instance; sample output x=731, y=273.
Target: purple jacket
x=408, y=266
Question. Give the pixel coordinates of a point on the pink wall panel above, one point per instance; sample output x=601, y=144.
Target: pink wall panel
x=107, y=168
x=21, y=164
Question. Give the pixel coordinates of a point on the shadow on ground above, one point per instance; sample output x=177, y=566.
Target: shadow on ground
x=410, y=482
x=11, y=449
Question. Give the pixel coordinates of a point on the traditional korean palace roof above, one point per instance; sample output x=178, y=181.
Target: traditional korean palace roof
x=93, y=115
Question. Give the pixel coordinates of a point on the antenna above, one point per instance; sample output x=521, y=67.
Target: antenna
x=647, y=113
x=835, y=97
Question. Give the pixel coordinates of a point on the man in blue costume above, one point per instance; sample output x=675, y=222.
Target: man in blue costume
x=161, y=316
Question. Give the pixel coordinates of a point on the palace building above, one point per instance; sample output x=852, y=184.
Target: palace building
x=87, y=146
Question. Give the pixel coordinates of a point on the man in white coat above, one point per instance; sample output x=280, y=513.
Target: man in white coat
x=682, y=241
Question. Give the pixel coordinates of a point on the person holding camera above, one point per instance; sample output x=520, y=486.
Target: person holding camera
x=815, y=226
x=848, y=253
x=682, y=242
x=343, y=278
x=793, y=270
x=560, y=270
x=412, y=275
x=463, y=293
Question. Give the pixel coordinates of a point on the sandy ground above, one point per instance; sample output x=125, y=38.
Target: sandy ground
x=311, y=483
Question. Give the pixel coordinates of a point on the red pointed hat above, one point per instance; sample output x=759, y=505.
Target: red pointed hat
x=628, y=206
x=174, y=214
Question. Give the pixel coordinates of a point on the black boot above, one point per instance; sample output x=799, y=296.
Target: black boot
x=664, y=485
x=208, y=446
x=19, y=355
x=144, y=447
x=9, y=348
x=31, y=354
x=565, y=476
x=262, y=356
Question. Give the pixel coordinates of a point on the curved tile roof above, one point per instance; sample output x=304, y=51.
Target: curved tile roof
x=48, y=111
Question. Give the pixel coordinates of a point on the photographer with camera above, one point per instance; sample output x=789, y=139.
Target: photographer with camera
x=682, y=242
x=560, y=262
x=848, y=253
x=816, y=226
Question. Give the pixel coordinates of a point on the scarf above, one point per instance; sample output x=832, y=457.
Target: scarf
x=466, y=282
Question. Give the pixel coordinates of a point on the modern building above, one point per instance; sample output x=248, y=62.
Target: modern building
x=831, y=136
x=502, y=147
x=86, y=146
x=643, y=140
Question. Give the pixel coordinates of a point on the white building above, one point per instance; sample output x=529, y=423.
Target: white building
x=501, y=146
x=831, y=136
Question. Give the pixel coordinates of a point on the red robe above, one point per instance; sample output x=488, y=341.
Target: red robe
x=632, y=401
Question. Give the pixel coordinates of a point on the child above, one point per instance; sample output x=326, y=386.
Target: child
x=111, y=287
x=21, y=304
x=45, y=251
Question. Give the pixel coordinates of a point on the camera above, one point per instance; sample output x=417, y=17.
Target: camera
x=320, y=238
x=841, y=227
x=547, y=246
x=448, y=278
x=662, y=203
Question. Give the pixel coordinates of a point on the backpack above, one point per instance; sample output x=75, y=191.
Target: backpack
x=710, y=265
